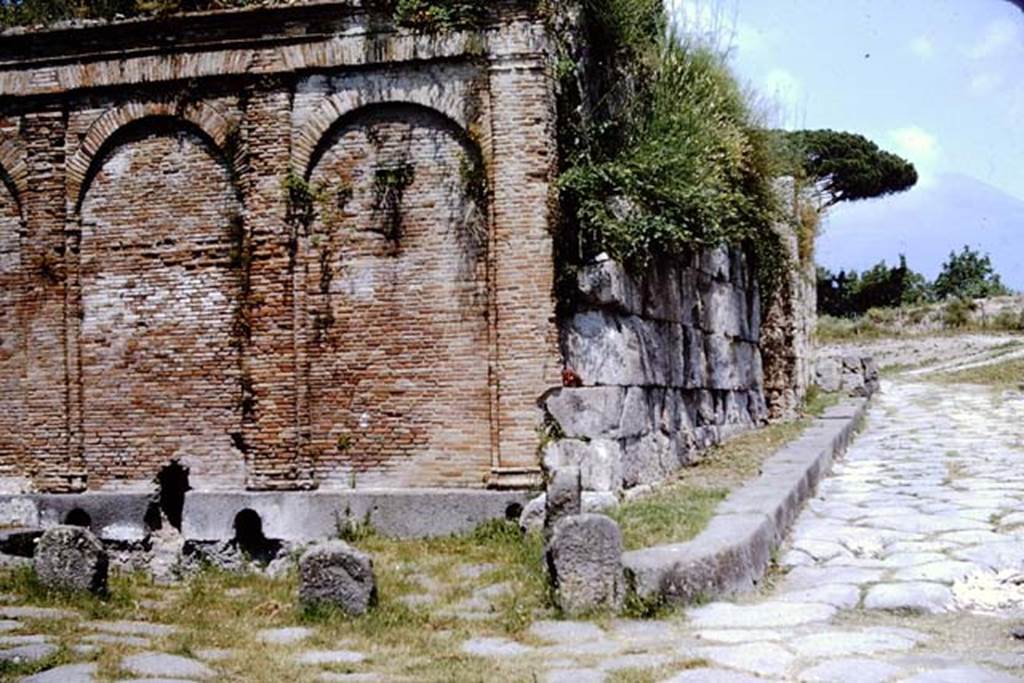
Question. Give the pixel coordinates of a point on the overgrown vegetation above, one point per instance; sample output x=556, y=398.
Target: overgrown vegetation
x=667, y=155
x=46, y=12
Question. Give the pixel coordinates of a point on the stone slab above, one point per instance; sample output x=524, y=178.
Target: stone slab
x=159, y=664
x=304, y=517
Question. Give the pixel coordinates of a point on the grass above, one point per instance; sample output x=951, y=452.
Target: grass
x=1007, y=374
x=680, y=509
x=422, y=642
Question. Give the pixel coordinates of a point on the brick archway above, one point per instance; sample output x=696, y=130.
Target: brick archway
x=158, y=287
x=107, y=127
x=397, y=287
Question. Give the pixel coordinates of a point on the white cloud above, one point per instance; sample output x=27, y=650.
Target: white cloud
x=985, y=83
x=999, y=36
x=922, y=47
x=920, y=147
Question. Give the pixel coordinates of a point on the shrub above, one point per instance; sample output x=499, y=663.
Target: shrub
x=957, y=313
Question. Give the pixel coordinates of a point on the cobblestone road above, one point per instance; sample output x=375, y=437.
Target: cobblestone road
x=904, y=567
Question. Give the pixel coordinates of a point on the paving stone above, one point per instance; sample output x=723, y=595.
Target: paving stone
x=112, y=639
x=845, y=643
x=639, y=632
x=323, y=657
x=214, y=654
x=31, y=652
x=963, y=674
x=851, y=670
x=635, y=661
x=284, y=636
x=69, y=673
x=839, y=595
x=763, y=615
x=763, y=659
x=494, y=647
x=588, y=648
x=36, y=613
x=946, y=571
x=805, y=578
x=474, y=571
x=740, y=635
x=154, y=664
x=932, y=598
x=133, y=628
x=24, y=639
x=9, y=625
x=575, y=676
x=565, y=631
x=709, y=675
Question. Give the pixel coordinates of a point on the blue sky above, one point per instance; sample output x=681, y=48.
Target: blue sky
x=940, y=82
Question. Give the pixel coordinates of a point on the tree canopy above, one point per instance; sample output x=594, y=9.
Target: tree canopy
x=845, y=166
x=968, y=275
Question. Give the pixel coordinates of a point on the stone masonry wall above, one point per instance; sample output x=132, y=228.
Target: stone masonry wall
x=658, y=367
x=289, y=248
x=788, y=332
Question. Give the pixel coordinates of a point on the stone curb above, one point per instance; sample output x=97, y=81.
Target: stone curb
x=732, y=554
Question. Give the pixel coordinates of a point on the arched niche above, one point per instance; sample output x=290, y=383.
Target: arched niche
x=159, y=287
x=395, y=270
x=12, y=350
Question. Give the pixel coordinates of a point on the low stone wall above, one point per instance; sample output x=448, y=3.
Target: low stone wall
x=657, y=367
x=853, y=374
x=732, y=554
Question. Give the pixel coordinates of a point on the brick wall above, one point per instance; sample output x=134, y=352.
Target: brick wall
x=389, y=321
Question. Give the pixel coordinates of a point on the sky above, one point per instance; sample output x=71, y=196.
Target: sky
x=940, y=82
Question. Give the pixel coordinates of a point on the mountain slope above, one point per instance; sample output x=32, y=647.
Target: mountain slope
x=926, y=224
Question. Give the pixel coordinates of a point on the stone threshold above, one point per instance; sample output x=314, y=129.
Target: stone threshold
x=732, y=554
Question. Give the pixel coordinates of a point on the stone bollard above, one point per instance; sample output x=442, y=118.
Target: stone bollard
x=336, y=574
x=584, y=560
x=71, y=558
x=563, y=497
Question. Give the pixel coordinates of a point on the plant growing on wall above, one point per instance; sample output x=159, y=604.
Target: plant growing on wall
x=662, y=151
x=389, y=185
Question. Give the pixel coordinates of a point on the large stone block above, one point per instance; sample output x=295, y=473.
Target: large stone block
x=71, y=558
x=695, y=366
x=584, y=559
x=608, y=285
x=649, y=459
x=588, y=412
x=723, y=372
x=599, y=462
x=827, y=374
x=662, y=292
x=562, y=498
x=604, y=350
x=723, y=310
x=715, y=262
x=336, y=574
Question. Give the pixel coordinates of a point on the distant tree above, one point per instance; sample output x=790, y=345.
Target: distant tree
x=968, y=275
x=850, y=294
x=844, y=166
